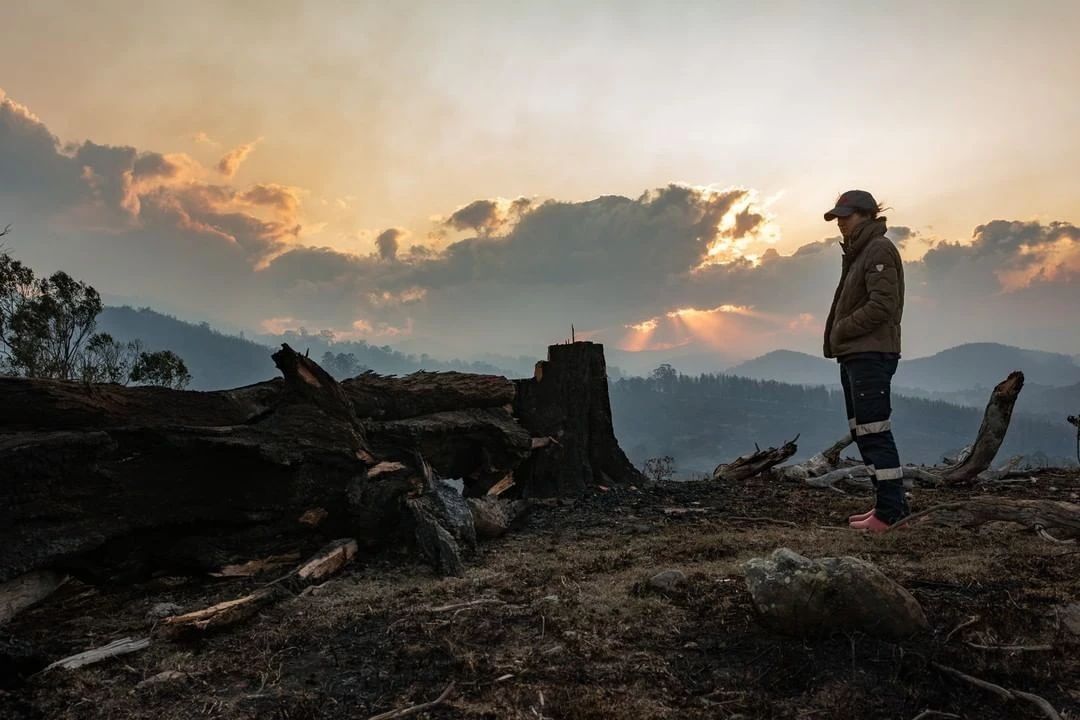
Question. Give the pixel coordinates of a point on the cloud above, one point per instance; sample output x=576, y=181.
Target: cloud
x=481, y=216
x=230, y=162
x=488, y=217
x=676, y=266
x=283, y=199
x=387, y=243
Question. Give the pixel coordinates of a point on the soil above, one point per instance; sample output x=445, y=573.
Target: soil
x=560, y=623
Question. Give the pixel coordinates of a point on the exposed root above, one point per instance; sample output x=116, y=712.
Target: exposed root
x=405, y=712
x=1046, y=708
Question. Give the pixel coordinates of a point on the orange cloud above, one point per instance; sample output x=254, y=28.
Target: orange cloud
x=278, y=325
x=230, y=162
x=283, y=199
x=1052, y=261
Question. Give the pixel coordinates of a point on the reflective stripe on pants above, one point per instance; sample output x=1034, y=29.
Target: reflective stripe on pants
x=867, y=382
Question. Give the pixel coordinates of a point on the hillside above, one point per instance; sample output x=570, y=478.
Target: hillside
x=984, y=364
x=961, y=375
x=1047, y=400
x=787, y=366
x=215, y=360
x=708, y=419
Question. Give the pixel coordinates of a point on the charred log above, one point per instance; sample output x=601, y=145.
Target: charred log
x=995, y=424
x=747, y=466
x=382, y=397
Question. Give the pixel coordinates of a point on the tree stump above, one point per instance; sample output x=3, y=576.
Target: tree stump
x=567, y=399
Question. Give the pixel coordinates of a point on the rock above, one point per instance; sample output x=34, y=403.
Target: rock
x=167, y=677
x=795, y=595
x=668, y=581
x=162, y=610
x=493, y=516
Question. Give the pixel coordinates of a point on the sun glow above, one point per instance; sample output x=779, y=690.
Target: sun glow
x=713, y=327
x=744, y=232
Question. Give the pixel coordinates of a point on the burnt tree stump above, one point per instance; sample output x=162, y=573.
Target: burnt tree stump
x=567, y=400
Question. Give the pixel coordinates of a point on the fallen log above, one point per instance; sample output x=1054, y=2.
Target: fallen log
x=824, y=462
x=118, y=500
x=747, y=466
x=111, y=483
x=827, y=468
x=382, y=397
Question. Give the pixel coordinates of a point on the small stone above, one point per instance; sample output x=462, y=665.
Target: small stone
x=162, y=610
x=690, y=645
x=668, y=581
x=798, y=596
x=1070, y=617
x=166, y=677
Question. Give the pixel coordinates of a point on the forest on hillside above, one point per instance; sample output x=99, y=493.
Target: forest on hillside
x=711, y=418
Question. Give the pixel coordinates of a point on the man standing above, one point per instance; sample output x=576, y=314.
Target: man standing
x=863, y=334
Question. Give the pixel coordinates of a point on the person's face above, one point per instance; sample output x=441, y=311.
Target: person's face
x=849, y=223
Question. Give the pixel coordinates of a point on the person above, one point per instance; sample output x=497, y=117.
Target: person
x=863, y=333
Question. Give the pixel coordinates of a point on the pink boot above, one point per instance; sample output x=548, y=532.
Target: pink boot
x=860, y=516
x=872, y=524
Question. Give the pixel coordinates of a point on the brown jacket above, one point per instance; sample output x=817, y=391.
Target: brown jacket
x=869, y=301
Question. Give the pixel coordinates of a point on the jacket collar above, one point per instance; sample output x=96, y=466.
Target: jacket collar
x=863, y=234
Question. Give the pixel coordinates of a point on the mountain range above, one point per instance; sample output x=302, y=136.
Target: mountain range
x=962, y=375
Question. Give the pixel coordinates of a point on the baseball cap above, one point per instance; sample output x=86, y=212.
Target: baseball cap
x=852, y=201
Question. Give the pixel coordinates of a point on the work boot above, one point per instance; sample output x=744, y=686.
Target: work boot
x=872, y=524
x=860, y=516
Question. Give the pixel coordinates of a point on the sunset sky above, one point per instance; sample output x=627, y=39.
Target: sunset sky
x=476, y=176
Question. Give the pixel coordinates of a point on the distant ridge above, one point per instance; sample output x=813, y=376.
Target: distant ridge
x=214, y=359
x=790, y=367
x=957, y=370
x=986, y=364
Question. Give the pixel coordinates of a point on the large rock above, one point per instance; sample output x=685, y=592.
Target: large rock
x=799, y=596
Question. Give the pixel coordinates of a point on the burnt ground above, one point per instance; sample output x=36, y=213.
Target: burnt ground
x=562, y=624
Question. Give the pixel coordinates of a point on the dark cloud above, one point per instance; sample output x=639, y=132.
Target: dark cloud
x=480, y=216
x=747, y=222
x=900, y=234
x=387, y=243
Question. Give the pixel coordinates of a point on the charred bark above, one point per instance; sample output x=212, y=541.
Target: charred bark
x=382, y=397
x=567, y=400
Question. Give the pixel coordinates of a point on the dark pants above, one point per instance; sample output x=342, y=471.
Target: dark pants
x=867, y=382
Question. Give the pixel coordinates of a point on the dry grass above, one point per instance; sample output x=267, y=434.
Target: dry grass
x=568, y=628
